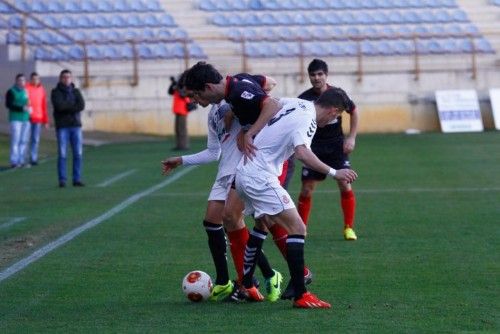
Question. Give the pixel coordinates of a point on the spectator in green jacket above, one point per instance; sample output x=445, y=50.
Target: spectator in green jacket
x=17, y=102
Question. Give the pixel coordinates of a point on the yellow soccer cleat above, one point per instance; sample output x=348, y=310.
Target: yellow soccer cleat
x=273, y=286
x=349, y=234
x=221, y=292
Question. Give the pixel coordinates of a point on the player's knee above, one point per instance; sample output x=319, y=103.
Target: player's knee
x=231, y=220
x=306, y=192
x=298, y=228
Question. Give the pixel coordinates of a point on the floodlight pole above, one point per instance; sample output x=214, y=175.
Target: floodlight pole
x=23, y=37
x=473, y=58
x=135, y=64
x=301, y=61
x=417, y=57
x=86, y=79
x=360, y=60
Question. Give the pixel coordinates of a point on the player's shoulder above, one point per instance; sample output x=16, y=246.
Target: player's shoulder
x=308, y=95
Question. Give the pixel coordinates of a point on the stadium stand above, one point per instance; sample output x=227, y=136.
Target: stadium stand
x=144, y=22
x=382, y=26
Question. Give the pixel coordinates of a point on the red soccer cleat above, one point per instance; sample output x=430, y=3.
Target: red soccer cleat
x=308, y=300
x=254, y=295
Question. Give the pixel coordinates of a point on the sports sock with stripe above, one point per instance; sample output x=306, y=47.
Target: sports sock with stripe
x=217, y=245
x=295, y=259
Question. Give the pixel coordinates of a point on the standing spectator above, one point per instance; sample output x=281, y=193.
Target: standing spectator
x=68, y=103
x=38, y=117
x=17, y=102
x=181, y=105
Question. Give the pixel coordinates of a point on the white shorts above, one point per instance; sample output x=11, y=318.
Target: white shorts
x=221, y=188
x=262, y=195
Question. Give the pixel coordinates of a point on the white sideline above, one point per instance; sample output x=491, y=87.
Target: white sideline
x=12, y=221
x=20, y=265
x=115, y=178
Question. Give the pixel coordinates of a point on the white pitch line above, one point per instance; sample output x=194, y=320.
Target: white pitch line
x=12, y=221
x=361, y=191
x=115, y=178
x=20, y=265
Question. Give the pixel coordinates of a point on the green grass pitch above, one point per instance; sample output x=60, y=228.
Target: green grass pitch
x=427, y=258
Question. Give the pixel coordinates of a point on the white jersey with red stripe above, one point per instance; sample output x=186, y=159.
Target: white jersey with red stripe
x=293, y=125
x=221, y=142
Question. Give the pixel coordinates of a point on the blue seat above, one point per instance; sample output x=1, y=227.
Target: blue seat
x=5, y=9
x=396, y=17
x=13, y=38
x=60, y=39
x=402, y=47
x=434, y=47
x=370, y=32
x=256, y=5
x=208, y=6
x=160, y=51
x=130, y=35
x=284, y=19
x=368, y=48
x=51, y=21
x=365, y=18
x=96, y=36
x=301, y=19
x=350, y=48
x=39, y=7
x=66, y=22
x=93, y=52
x=180, y=34
x=219, y=20
x=133, y=20
x=177, y=51
x=471, y=29
x=126, y=51
x=196, y=51
x=24, y=6
x=285, y=33
x=118, y=21
x=3, y=23
x=15, y=21
x=404, y=31
x=151, y=20
x=137, y=6
x=59, y=55
x=319, y=4
x=268, y=34
x=110, y=52
x=335, y=49
x=55, y=7
x=164, y=34
x=234, y=35
x=348, y=18
x=76, y=53
x=384, y=48
x=42, y=54
x=437, y=29
x=268, y=19
x=147, y=34
x=104, y=7
x=88, y=6
x=353, y=32
x=252, y=50
x=120, y=6
x=79, y=35
x=443, y=16
x=321, y=33
x=459, y=16
x=32, y=24
x=84, y=21
x=454, y=29
x=411, y=17
x=153, y=6
x=101, y=21
x=72, y=7
x=166, y=20
x=449, y=45
x=251, y=20
x=465, y=45
x=388, y=31
x=381, y=17
x=448, y=3
x=483, y=45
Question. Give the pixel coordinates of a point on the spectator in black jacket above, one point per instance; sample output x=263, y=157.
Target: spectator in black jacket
x=68, y=104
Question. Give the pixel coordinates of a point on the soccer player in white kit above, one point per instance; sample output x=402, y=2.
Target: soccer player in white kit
x=224, y=205
x=289, y=131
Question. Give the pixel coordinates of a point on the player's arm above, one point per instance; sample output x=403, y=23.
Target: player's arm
x=270, y=107
x=350, y=140
x=308, y=158
x=269, y=84
x=210, y=154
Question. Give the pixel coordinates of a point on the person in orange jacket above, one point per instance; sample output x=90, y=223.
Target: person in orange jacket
x=38, y=116
x=181, y=105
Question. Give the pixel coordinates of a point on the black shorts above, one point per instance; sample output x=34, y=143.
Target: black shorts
x=334, y=157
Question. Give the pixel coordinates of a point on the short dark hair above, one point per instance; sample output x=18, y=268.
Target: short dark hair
x=34, y=74
x=201, y=74
x=65, y=71
x=335, y=97
x=317, y=65
x=19, y=75
x=181, y=83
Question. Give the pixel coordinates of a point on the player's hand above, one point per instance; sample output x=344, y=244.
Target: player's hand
x=349, y=144
x=248, y=147
x=170, y=164
x=347, y=175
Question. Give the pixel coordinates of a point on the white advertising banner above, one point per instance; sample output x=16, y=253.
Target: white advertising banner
x=459, y=111
x=495, y=106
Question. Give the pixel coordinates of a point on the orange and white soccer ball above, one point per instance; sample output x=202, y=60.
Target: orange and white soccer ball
x=197, y=286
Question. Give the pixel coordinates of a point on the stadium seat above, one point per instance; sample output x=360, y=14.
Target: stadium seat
x=255, y=5
x=151, y=20
x=72, y=7
x=368, y=48
x=163, y=34
x=482, y=45
x=160, y=51
x=39, y=7
x=402, y=47
x=177, y=51
x=5, y=9
x=55, y=7
x=284, y=19
x=84, y=21
x=134, y=20
x=180, y=34
x=93, y=52
x=66, y=22
x=166, y=20
x=110, y=52
x=76, y=53
x=120, y=6
x=104, y=7
x=459, y=16
x=208, y=6
x=96, y=36
x=101, y=21
x=79, y=35
x=126, y=52
x=117, y=21
x=88, y=6
x=147, y=34
x=196, y=51
x=153, y=5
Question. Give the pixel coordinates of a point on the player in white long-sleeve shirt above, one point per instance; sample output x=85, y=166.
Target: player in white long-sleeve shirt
x=225, y=208
x=289, y=131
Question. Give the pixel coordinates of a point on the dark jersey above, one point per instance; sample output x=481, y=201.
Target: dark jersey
x=245, y=94
x=331, y=132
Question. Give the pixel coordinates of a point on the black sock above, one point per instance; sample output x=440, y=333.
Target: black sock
x=295, y=259
x=217, y=244
x=264, y=266
x=252, y=250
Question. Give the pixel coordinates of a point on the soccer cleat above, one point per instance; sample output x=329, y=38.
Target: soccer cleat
x=349, y=234
x=240, y=294
x=309, y=300
x=273, y=286
x=254, y=295
x=289, y=292
x=221, y=292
